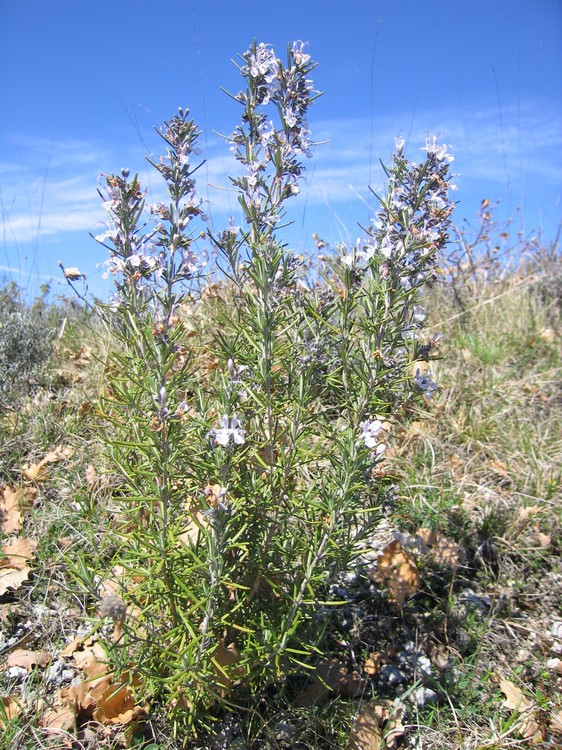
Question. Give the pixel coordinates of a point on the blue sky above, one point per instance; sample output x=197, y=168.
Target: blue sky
x=85, y=81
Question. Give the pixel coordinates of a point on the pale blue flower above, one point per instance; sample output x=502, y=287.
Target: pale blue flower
x=370, y=432
x=425, y=383
x=231, y=428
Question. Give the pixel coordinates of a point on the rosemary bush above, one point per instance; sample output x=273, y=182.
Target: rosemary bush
x=247, y=489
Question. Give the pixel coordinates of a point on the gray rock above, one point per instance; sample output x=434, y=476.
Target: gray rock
x=283, y=730
x=59, y=673
x=16, y=673
x=394, y=675
x=423, y=695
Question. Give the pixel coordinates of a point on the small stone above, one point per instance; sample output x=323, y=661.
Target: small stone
x=423, y=695
x=394, y=675
x=423, y=662
x=283, y=730
x=556, y=629
x=59, y=674
x=471, y=598
x=16, y=673
x=555, y=663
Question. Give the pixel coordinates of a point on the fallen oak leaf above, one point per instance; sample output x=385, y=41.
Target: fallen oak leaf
x=38, y=472
x=443, y=550
x=74, y=645
x=330, y=677
x=366, y=733
x=103, y=700
x=21, y=657
x=117, y=704
x=12, y=578
x=91, y=653
x=397, y=571
x=78, y=698
x=378, y=725
x=10, y=708
x=373, y=663
x=10, y=509
x=13, y=568
x=59, y=720
x=556, y=722
x=225, y=658
x=19, y=552
x=516, y=701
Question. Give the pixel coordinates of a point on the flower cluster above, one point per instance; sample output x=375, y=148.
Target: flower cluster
x=415, y=219
x=124, y=202
x=139, y=265
x=270, y=153
x=362, y=250
x=163, y=253
x=180, y=134
x=410, y=228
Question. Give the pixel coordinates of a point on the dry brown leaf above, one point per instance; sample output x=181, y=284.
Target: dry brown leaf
x=380, y=723
x=556, y=722
x=515, y=700
x=98, y=668
x=390, y=718
x=36, y=472
x=427, y=536
x=444, y=551
x=11, y=578
x=19, y=552
x=10, y=504
x=76, y=644
x=224, y=660
x=398, y=572
x=116, y=705
x=13, y=568
x=336, y=676
x=21, y=657
x=373, y=663
x=12, y=707
x=61, y=718
x=91, y=475
x=105, y=701
x=90, y=653
x=39, y=472
x=366, y=733
x=329, y=677
x=79, y=699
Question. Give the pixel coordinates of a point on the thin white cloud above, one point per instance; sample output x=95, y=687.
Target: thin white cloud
x=48, y=186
